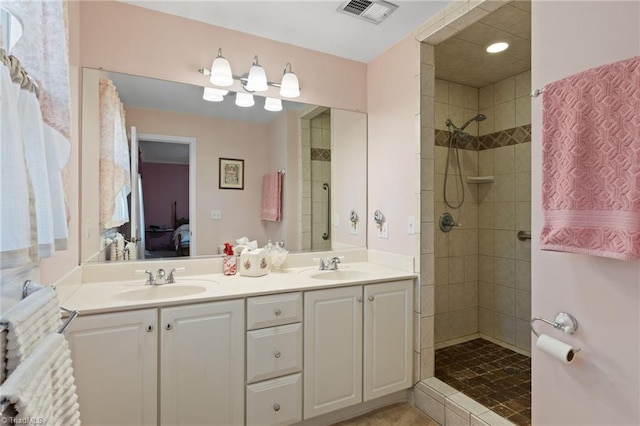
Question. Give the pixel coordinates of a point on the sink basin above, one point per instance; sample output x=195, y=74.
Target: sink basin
x=340, y=275
x=164, y=291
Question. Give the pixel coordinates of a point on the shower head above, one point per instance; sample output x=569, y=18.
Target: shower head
x=479, y=117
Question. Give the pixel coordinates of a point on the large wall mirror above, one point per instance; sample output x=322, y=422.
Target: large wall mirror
x=202, y=168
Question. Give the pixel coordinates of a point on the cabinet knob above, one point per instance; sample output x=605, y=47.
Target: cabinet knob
x=169, y=326
x=149, y=328
x=370, y=298
x=277, y=354
x=277, y=312
x=359, y=299
x=276, y=407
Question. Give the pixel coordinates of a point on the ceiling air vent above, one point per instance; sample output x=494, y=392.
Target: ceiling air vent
x=374, y=11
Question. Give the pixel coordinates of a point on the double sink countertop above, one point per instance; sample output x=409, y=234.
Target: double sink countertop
x=115, y=294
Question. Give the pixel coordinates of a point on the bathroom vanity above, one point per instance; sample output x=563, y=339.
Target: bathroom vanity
x=210, y=349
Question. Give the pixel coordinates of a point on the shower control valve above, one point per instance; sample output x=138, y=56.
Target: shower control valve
x=447, y=223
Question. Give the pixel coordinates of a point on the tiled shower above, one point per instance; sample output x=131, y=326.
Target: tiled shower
x=482, y=270
x=316, y=172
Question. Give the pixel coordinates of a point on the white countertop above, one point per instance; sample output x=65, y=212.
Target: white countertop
x=111, y=296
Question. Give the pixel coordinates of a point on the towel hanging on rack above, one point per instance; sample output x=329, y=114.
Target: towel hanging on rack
x=272, y=197
x=590, y=164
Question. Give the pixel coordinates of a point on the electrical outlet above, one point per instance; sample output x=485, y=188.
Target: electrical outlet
x=336, y=219
x=353, y=229
x=384, y=231
x=216, y=214
x=411, y=225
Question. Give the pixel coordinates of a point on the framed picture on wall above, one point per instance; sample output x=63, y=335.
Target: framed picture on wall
x=231, y=173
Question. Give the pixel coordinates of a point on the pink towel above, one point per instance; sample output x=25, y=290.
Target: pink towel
x=591, y=162
x=272, y=197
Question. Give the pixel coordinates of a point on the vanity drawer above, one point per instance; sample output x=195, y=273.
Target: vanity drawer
x=267, y=311
x=275, y=402
x=273, y=352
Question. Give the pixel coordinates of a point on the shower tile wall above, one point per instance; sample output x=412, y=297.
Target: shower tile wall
x=456, y=257
x=504, y=209
x=305, y=136
x=320, y=154
x=482, y=267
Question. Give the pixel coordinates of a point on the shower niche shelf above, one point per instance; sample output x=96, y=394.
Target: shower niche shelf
x=480, y=179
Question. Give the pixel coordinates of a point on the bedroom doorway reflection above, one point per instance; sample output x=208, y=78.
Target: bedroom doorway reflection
x=167, y=169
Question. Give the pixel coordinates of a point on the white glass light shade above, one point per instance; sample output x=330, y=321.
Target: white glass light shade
x=221, y=71
x=289, y=88
x=214, y=95
x=244, y=100
x=257, y=80
x=273, y=104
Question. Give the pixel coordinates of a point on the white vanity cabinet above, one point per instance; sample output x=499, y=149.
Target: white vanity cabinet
x=358, y=344
x=115, y=363
x=202, y=364
x=274, y=359
x=200, y=379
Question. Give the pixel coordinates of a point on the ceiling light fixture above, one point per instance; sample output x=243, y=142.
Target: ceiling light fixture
x=499, y=46
x=253, y=81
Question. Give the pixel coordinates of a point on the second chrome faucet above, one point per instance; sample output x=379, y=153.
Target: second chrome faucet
x=161, y=276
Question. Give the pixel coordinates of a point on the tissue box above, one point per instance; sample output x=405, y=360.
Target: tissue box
x=253, y=263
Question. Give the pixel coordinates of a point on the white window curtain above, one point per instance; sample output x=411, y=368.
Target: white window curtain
x=115, y=172
x=35, y=142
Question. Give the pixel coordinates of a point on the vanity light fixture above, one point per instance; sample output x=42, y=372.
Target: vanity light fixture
x=497, y=47
x=273, y=104
x=244, y=100
x=214, y=95
x=253, y=81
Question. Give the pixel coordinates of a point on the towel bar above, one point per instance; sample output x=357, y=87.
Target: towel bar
x=26, y=291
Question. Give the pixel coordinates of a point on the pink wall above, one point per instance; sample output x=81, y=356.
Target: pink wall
x=214, y=139
x=162, y=184
x=602, y=387
x=393, y=88
x=129, y=39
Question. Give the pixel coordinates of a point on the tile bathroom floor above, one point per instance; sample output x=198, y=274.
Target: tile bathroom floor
x=496, y=377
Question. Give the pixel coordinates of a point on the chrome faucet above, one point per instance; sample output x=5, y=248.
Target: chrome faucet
x=161, y=277
x=150, y=279
x=171, y=279
x=329, y=264
x=333, y=263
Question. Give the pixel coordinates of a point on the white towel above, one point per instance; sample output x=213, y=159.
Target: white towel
x=34, y=150
x=15, y=213
x=27, y=323
x=42, y=386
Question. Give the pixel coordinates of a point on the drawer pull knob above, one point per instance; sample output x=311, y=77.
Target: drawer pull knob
x=149, y=328
x=277, y=312
x=370, y=298
x=277, y=354
x=276, y=407
x=168, y=326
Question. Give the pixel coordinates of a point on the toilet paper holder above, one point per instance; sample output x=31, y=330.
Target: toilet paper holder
x=563, y=321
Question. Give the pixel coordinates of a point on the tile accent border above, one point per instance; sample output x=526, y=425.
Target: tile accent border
x=320, y=154
x=513, y=136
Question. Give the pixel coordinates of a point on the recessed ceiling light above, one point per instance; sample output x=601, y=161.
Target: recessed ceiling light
x=497, y=47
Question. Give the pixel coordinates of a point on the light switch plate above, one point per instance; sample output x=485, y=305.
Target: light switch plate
x=353, y=228
x=336, y=219
x=411, y=225
x=216, y=214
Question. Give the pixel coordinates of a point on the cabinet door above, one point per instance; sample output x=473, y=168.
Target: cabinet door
x=202, y=364
x=115, y=367
x=332, y=350
x=388, y=341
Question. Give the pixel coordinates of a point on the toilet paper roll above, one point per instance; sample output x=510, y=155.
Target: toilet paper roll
x=557, y=349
